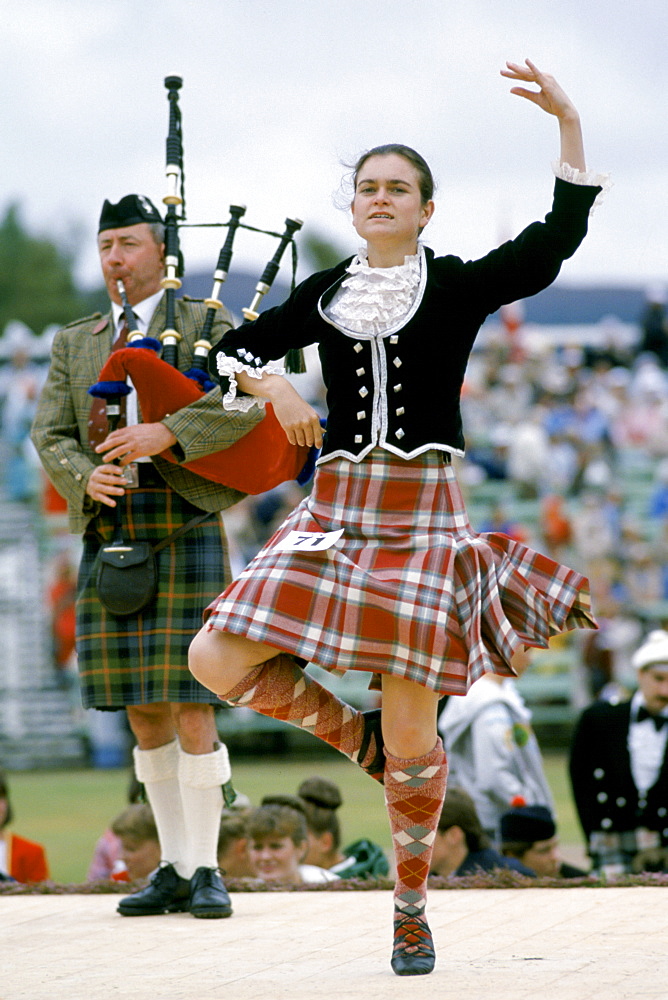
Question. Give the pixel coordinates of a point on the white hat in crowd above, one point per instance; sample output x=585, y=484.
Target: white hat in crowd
x=653, y=650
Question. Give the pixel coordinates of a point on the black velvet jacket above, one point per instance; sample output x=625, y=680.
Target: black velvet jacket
x=401, y=389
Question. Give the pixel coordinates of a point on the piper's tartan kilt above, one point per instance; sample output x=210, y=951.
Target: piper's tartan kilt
x=144, y=658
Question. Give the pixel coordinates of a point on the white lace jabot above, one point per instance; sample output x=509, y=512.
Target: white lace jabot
x=373, y=299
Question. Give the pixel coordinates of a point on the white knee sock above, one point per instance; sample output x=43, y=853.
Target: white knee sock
x=158, y=771
x=201, y=777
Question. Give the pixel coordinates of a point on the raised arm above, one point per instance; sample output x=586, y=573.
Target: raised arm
x=552, y=99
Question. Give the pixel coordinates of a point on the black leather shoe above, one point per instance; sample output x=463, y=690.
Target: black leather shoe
x=208, y=896
x=372, y=727
x=413, y=953
x=167, y=892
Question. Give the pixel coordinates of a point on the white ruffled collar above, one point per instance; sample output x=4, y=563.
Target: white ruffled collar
x=399, y=274
x=371, y=300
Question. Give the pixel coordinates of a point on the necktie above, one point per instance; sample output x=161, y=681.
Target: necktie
x=658, y=720
x=98, y=427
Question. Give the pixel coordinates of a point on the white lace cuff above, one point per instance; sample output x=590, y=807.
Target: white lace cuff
x=588, y=178
x=229, y=367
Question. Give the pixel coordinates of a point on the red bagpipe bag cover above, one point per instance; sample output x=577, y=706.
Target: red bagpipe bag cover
x=261, y=459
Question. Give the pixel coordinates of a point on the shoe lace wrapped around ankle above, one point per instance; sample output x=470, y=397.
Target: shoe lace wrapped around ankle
x=412, y=937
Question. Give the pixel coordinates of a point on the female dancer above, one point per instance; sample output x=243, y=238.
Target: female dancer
x=379, y=569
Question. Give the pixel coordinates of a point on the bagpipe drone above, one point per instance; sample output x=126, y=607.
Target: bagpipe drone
x=263, y=458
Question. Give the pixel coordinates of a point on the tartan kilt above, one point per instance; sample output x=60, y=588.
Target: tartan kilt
x=144, y=658
x=409, y=589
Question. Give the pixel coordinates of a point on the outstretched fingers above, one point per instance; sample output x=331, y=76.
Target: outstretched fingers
x=550, y=97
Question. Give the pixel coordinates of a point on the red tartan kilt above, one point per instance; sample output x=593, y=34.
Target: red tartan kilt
x=410, y=589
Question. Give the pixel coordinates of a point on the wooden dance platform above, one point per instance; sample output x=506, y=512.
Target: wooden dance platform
x=505, y=944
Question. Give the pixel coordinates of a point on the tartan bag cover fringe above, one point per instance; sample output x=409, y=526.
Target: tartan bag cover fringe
x=144, y=658
x=409, y=589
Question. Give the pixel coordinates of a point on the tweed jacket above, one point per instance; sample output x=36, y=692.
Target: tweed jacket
x=401, y=389
x=60, y=428
x=605, y=793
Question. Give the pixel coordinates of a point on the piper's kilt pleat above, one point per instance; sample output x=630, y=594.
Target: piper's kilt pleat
x=409, y=589
x=144, y=659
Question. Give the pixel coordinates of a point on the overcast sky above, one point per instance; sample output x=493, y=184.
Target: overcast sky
x=278, y=93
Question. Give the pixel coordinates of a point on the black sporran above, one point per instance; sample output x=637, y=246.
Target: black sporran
x=126, y=576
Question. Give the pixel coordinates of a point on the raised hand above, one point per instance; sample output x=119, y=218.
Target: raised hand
x=551, y=98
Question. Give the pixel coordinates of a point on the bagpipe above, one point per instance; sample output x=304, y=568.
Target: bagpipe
x=263, y=458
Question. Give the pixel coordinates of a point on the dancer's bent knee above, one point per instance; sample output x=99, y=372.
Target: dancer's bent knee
x=221, y=660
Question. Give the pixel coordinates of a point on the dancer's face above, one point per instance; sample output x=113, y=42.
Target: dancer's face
x=387, y=207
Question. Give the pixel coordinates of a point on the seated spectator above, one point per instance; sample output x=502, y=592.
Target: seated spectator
x=594, y=536
x=644, y=423
x=555, y=525
x=529, y=834
x=498, y=520
x=654, y=325
x=140, y=848
x=278, y=842
x=527, y=454
x=233, y=858
x=492, y=750
x=362, y=859
x=21, y=860
x=61, y=596
x=106, y=861
x=461, y=846
x=658, y=507
x=643, y=575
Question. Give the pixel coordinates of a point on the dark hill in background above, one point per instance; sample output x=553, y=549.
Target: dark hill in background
x=238, y=291
x=585, y=304
x=557, y=304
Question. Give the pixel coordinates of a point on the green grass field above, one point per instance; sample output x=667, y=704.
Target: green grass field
x=68, y=810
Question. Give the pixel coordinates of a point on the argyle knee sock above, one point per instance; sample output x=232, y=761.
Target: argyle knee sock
x=280, y=689
x=414, y=793
x=201, y=777
x=158, y=771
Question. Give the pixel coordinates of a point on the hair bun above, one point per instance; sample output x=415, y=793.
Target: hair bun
x=284, y=801
x=320, y=792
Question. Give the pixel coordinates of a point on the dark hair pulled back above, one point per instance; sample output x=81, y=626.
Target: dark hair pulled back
x=321, y=798
x=427, y=185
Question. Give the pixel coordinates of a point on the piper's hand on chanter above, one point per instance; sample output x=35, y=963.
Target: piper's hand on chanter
x=106, y=482
x=127, y=444
x=552, y=99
